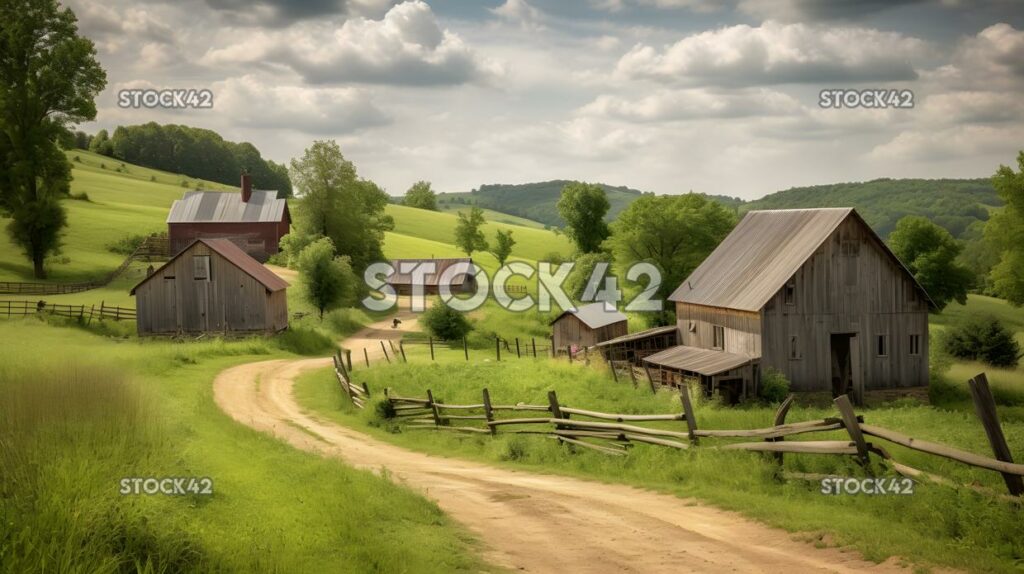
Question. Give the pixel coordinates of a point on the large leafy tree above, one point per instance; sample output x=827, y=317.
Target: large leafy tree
x=468, y=235
x=673, y=232
x=421, y=196
x=583, y=207
x=1006, y=232
x=337, y=204
x=930, y=253
x=49, y=79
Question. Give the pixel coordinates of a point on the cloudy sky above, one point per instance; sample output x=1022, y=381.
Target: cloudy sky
x=661, y=95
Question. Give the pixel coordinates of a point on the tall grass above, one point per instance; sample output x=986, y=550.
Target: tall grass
x=69, y=434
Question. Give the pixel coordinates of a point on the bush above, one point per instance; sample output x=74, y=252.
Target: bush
x=774, y=386
x=445, y=323
x=126, y=245
x=985, y=339
x=305, y=341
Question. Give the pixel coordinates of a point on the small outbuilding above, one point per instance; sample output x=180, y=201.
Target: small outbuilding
x=254, y=219
x=458, y=272
x=587, y=326
x=211, y=286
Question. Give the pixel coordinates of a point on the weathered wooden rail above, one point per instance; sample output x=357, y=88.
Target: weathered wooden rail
x=26, y=308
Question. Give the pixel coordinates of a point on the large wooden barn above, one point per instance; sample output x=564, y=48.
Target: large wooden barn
x=587, y=326
x=256, y=220
x=813, y=293
x=211, y=286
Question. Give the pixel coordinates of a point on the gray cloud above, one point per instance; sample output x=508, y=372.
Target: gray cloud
x=275, y=13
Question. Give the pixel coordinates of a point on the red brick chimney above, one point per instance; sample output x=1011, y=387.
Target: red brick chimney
x=246, y=187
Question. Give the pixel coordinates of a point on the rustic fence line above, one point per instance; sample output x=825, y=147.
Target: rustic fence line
x=614, y=434
x=152, y=247
x=358, y=394
x=25, y=308
x=503, y=348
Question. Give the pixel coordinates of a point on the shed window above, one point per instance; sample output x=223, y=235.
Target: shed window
x=693, y=327
x=201, y=267
x=790, y=291
x=882, y=346
x=718, y=333
x=915, y=344
x=794, y=347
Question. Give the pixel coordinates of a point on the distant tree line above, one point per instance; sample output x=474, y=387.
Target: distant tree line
x=194, y=152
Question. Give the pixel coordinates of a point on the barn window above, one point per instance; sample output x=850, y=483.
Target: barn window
x=790, y=291
x=915, y=344
x=718, y=335
x=794, y=347
x=201, y=267
x=693, y=326
x=882, y=346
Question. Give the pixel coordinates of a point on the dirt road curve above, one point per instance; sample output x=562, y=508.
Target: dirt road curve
x=531, y=522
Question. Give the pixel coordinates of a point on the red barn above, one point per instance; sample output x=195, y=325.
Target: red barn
x=255, y=220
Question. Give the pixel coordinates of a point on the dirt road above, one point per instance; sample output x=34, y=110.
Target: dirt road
x=533, y=522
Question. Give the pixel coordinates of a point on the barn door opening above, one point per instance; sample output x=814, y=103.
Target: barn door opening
x=842, y=364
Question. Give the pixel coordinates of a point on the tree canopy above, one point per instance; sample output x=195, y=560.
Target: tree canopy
x=339, y=205
x=583, y=207
x=930, y=253
x=328, y=279
x=673, y=232
x=1005, y=231
x=421, y=196
x=503, y=243
x=468, y=235
x=49, y=79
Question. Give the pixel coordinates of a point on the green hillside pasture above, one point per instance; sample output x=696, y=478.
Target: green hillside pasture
x=119, y=204
x=531, y=243
x=492, y=215
x=79, y=412
x=935, y=525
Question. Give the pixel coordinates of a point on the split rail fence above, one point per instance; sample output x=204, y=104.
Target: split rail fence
x=394, y=350
x=25, y=308
x=614, y=434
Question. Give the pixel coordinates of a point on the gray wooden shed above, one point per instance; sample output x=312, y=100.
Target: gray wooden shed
x=211, y=285
x=586, y=326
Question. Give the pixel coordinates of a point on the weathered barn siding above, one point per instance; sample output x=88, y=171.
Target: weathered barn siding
x=569, y=330
x=231, y=300
x=742, y=328
x=850, y=285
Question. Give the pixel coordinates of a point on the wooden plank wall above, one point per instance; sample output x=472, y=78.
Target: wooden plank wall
x=742, y=329
x=569, y=330
x=868, y=294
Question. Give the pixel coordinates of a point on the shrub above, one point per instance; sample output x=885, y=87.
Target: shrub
x=774, y=386
x=445, y=323
x=126, y=245
x=985, y=339
x=81, y=196
x=305, y=341
x=344, y=322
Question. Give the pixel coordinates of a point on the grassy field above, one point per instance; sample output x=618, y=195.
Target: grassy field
x=492, y=215
x=80, y=412
x=936, y=525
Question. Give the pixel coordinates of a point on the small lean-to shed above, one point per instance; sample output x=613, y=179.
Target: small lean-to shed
x=211, y=286
x=458, y=270
x=587, y=326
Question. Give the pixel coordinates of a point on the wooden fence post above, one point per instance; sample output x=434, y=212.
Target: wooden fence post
x=488, y=412
x=650, y=379
x=348, y=358
x=366, y=357
x=780, y=419
x=985, y=408
x=553, y=354
x=533, y=341
x=367, y=389
x=518, y=355
x=430, y=341
x=615, y=376
x=556, y=411
x=632, y=374
x=433, y=408
x=852, y=425
x=385, y=349
x=691, y=421
x=465, y=347
x=568, y=351
x=497, y=348
x=401, y=347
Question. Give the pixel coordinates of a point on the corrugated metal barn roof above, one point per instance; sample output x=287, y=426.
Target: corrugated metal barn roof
x=638, y=335
x=758, y=257
x=227, y=207
x=440, y=265
x=594, y=315
x=239, y=258
x=703, y=361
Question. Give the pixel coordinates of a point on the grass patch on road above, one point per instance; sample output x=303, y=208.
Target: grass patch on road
x=936, y=525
